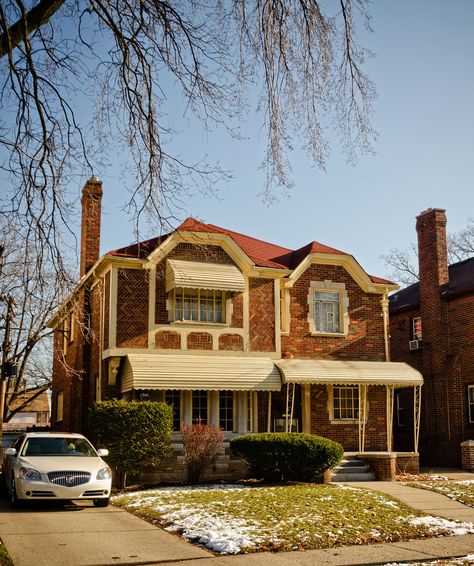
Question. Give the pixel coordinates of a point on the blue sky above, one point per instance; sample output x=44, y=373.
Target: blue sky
x=424, y=72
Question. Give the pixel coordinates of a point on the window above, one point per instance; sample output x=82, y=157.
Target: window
x=200, y=305
x=199, y=409
x=328, y=308
x=346, y=402
x=416, y=328
x=59, y=406
x=470, y=402
x=172, y=398
x=327, y=311
x=226, y=410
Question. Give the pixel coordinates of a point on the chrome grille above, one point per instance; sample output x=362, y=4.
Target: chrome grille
x=69, y=479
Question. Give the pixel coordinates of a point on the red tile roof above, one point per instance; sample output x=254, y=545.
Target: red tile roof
x=263, y=254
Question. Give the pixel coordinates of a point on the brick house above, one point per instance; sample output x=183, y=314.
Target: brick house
x=432, y=329
x=230, y=330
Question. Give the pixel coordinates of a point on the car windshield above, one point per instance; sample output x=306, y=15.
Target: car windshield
x=57, y=446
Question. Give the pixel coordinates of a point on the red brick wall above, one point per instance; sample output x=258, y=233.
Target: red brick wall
x=348, y=434
x=231, y=342
x=132, y=308
x=199, y=341
x=365, y=340
x=166, y=339
x=262, y=315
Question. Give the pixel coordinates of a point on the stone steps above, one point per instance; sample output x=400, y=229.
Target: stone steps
x=351, y=469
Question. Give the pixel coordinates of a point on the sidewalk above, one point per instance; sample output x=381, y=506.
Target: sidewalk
x=79, y=536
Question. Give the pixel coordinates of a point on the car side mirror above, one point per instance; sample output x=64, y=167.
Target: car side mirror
x=9, y=452
x=102, y=452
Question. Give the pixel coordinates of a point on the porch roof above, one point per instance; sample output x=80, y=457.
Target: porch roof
x=398, y=374
x=203, y=275
x=210, y=372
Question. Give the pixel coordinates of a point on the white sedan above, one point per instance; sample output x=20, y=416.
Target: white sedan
x=52, y=466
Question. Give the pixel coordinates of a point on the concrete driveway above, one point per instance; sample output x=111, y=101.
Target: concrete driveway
x=76, y=534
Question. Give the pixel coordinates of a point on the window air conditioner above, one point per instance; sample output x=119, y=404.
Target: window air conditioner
x=415, y=344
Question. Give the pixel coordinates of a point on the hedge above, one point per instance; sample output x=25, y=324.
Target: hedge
x=133, y=431
x=291, y=456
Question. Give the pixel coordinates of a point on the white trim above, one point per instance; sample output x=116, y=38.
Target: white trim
x=151, y=306
x=349, y=263
x=113, y=294
x=344, y=320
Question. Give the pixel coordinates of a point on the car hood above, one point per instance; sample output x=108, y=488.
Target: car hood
x=63, y=463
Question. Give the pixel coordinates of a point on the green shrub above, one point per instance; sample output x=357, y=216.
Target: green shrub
x=287, y=456
x=134, y=432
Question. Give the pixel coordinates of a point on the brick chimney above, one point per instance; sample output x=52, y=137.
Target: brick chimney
x=90, y=224
x=433, y=266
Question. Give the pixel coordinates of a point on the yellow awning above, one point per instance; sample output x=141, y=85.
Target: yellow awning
x=203, y=275
x=218, y=373
x=398, y=374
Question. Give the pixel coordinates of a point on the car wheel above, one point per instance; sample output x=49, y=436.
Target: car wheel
x=14, y=501
x=101, y=502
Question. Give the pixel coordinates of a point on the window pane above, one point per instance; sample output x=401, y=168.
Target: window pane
x=346, y=402
x=226, y=410
x=199, y=411
x=173, y=398
x=327, y=312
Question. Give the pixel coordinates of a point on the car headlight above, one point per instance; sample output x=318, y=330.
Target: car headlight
x=104, y=474
x=29, y=474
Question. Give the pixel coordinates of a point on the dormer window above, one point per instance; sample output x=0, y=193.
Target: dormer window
x=327, y=311
x=328, y=308
x=201, y=291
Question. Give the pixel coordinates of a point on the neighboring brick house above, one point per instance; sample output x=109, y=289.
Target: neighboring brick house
x=432, y=329
x=230, y=330
x=33, y=410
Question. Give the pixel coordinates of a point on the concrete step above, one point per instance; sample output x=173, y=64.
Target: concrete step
x=340, y=477
x=359, y=469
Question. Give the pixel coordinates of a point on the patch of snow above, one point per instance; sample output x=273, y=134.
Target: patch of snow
x=442, y=526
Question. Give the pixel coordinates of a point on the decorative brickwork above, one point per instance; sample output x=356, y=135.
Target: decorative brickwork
x=262, y=315
x=199, y=341
x=365, y=339
x=231, y=342
x=167, y=340
x=132, y=308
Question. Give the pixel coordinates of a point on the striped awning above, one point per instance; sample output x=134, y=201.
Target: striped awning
x=398, y=374
x=203, y=275
x=218, y=373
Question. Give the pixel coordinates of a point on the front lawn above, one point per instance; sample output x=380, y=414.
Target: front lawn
x=461, y=490
x=234, y=519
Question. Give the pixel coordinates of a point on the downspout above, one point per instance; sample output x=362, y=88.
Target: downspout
x=384, y=302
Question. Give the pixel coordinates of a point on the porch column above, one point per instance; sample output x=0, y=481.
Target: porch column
x=362, y=415
x=416, y=414
x=187, y=407
x=214, y=408
x=254, y=427
x=269, y=412
x=389, y=405
x=306, y=408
